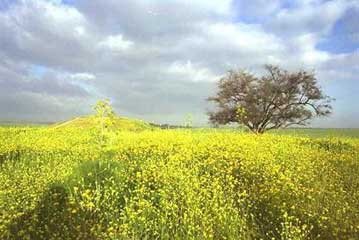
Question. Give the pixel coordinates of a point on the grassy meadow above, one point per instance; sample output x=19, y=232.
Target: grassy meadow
x=138, y=182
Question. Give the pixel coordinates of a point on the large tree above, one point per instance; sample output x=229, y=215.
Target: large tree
x=278, y=99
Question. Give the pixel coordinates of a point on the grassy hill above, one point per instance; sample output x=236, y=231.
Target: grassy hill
x=121, y=123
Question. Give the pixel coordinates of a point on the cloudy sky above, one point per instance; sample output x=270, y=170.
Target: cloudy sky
x=158, y=60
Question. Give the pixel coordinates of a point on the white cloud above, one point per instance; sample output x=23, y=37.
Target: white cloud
x=116, y=43
x=154, y=57
x=187, y=72
x=223, y=7
x=306, y=49
x=79, y=30
x=254, y=9
x=249, y=38
x=309, y=17
x=83, y=76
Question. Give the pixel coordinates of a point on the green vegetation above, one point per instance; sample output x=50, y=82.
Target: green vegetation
x=60, y=183
x=90, y=122
x=20, y=124
x=319, y=132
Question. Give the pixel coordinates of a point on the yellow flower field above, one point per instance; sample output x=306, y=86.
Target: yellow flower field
x=176, y=184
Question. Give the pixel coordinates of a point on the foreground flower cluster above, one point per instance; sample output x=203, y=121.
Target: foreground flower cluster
x=176, y=184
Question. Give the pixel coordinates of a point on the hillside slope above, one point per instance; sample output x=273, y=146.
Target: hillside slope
x=121, y=123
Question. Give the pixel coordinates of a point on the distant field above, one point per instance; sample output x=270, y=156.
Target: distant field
x=130, y=124
x=23, y=125
x=300, y=132
x=319, y=132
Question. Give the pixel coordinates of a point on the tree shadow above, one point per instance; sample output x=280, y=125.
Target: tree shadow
x=13, y=156
x=52, y=219
x=56, y=217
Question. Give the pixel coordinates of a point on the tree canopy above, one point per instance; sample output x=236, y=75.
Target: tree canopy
x=278, y=99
